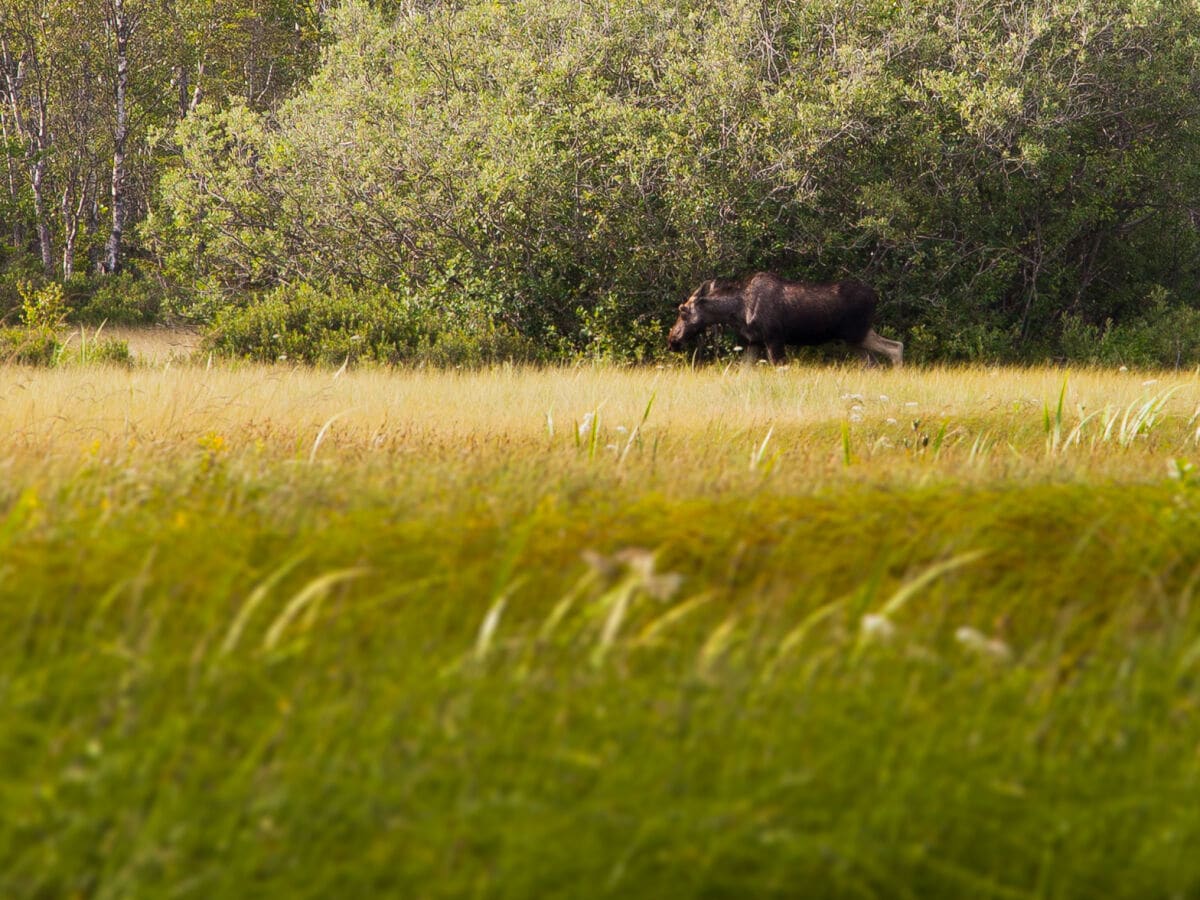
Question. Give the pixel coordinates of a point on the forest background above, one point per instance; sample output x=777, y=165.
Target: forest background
x=455, y=181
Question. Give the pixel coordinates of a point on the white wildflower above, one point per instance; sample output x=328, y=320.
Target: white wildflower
x=977, y=642
x=585, y=427
x=877, y=627
x=638, y=560
x=638, y=565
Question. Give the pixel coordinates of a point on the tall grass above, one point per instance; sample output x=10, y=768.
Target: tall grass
x=576, y=632
x=961, y=423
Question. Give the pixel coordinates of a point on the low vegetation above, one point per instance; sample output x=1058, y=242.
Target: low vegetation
x=732, y=631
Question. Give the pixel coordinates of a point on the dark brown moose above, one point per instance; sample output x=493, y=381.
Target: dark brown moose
x=769, y=312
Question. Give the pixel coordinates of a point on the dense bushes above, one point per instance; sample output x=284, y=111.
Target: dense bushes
x=338, y=324
x=18, y=271
x=41, y=345
x=1164, y=336
x=29, y=346
x=472, y=180
x=125, y=299
x=996, y=171
x=36, y=312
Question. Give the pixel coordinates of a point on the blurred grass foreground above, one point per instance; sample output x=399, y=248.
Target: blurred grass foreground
x=827, y=632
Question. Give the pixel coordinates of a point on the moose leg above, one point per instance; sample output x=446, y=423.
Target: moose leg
x=753, y=353
x=777, y=354
x=873, y=343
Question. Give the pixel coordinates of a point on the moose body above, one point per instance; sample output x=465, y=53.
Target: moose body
x=769, y=312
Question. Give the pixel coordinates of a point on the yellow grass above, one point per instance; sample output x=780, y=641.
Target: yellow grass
x=802, y=426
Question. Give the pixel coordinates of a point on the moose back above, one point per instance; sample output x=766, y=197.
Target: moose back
x=768, y=313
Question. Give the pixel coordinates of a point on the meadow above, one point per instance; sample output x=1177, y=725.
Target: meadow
x=728, y=631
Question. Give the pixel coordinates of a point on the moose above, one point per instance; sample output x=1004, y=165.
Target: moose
x=769, y=312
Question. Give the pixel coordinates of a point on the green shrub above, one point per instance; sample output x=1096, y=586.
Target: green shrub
x=128, y=298
x=337, y=324
x=43, y=308
x=16, y=269
x=123, y=299
x=1164, y=335
x=29, y=346
x=106, y=350
x=612, y=331
x=459, y=342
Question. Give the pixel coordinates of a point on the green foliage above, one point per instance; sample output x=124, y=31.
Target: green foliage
x=943, y=340
x=1165, y=336
x=59, y=121
x=18, y=271
x=989, y=170
x=610, y=330
x=44, y=345
x=95, y=348
x=129, y=298
x=236, y=209
x=111, y=350
x=43, y=308
x=335, y=324
x=122, y=299
x=29, y=346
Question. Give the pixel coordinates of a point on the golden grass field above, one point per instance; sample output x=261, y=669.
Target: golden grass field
x=729, y=631
x=808, y=425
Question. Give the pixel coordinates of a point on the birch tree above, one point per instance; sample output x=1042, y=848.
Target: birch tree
x=122, y=23
x=26, y=87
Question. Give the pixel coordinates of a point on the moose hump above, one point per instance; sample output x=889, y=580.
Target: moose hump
x=769, y=313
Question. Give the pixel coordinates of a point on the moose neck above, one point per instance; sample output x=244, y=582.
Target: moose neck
x=725, y=309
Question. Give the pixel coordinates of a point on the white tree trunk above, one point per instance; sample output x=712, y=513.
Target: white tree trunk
x=122, y=28
x=36, y=138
